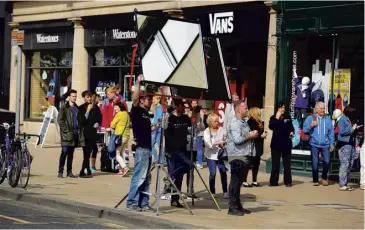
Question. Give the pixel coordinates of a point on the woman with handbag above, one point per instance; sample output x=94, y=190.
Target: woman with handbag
x=121, y=126
x=255, y=123
x=214, y=139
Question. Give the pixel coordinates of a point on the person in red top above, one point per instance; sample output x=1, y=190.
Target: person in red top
x=108, y=109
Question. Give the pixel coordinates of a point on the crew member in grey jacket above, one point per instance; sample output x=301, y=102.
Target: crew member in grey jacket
x=240, y=148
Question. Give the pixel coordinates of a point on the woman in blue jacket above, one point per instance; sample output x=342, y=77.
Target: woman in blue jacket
x=345, y=145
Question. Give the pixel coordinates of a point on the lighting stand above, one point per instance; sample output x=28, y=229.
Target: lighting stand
x=167, y=180
x=190, y=189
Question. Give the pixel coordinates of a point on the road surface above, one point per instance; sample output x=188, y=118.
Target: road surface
x=19, y=215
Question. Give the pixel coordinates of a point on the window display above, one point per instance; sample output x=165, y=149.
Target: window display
x=49, y=78
x=312, y=79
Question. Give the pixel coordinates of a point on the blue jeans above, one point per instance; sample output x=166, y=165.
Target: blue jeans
x=156, y=139
x=199, y=149
x=212, y=165
x=66, y=152
x=178, y=165
x=325, y=159
x=141, y=179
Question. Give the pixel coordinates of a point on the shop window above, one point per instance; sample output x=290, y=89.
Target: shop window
x=49, y=78
x=110, y=67
x=314, y=56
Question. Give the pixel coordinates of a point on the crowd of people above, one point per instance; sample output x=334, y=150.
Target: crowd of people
x=193, y=136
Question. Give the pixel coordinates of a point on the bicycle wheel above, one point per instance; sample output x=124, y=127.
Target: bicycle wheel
x=2, y=166
x=25, y=169
x=15, y=168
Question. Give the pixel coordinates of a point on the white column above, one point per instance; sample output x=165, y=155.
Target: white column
x=80, y=80
x=270, y=81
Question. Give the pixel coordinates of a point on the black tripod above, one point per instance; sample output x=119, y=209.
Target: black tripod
x=167, y=180
x=191, y=173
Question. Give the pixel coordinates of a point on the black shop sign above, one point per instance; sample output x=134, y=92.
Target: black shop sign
x=109, y=37
x=38, y=40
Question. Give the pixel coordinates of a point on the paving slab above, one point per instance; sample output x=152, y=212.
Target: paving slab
x=301, y=206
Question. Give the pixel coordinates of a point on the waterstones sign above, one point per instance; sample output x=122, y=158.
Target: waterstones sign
x=117, y=34
x=221, y=23
x=47, y=38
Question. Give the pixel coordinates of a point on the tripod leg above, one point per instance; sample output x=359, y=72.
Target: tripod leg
x=121, y=201
x=158, y=192
x=206, y=187
x=190, y=189
x=125, y=197
x=179, y=193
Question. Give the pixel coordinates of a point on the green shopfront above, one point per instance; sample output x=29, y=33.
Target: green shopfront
x=323, y=41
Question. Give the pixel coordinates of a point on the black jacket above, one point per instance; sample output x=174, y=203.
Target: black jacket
x=259, y=142
x=281, y=130
x=86, y=125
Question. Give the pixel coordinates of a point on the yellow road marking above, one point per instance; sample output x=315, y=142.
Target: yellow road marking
x=110, y=225
x=15, y=219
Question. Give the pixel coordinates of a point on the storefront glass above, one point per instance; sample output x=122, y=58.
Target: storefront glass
x=312, y=56
x=49, y=78
x=111, y=66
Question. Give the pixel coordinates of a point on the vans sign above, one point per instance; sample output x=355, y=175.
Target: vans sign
x=117, y=34
x=47, y=39
x=221, y=23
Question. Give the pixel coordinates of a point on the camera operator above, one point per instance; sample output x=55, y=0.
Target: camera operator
x=176, y=142
x=141, y=179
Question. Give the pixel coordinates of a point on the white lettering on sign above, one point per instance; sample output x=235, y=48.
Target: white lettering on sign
x=221, y=109
x=221, y=23
x=47, y=39
x=117, y=34
x=293, y=96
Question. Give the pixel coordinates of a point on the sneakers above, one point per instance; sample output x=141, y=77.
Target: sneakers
x=315, y=184
x=246, y=185
x=165, y=197
x=235, y=212
x=148, y=208
x=176, y=204
x=255, y=184
x=324, y=182
x=133, y=208
x=71, y=175
x=85, y=175
x=226, y=195
x=199, y=166
x=60, y=175
x=92, y=169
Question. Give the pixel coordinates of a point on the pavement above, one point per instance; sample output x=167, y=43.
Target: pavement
x=20, y=215
x=301, y=206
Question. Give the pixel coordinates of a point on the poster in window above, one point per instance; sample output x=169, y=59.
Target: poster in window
x=341, y=88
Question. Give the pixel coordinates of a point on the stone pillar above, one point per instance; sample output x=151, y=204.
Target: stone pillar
x=13, y=70
x=80, y=64
x=270, y=80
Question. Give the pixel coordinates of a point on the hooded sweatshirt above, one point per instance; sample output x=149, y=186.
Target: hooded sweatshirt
x=344, y=131
x=322, y=135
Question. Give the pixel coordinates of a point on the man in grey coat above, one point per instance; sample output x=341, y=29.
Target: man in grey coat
x=240, y=148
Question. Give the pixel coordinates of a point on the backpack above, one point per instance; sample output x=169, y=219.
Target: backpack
x=304, y=136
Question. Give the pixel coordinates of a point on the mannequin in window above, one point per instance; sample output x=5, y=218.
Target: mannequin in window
x=303, y=90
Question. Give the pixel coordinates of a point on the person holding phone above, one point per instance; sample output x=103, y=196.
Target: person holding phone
x=255, y=123
x=281, y=145
x=345, y=144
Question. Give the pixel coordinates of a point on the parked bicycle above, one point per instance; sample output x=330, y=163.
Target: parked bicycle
x=15, y=159
x=21, y=142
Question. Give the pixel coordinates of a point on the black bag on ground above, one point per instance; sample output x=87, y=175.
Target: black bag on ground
x=106, y=164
